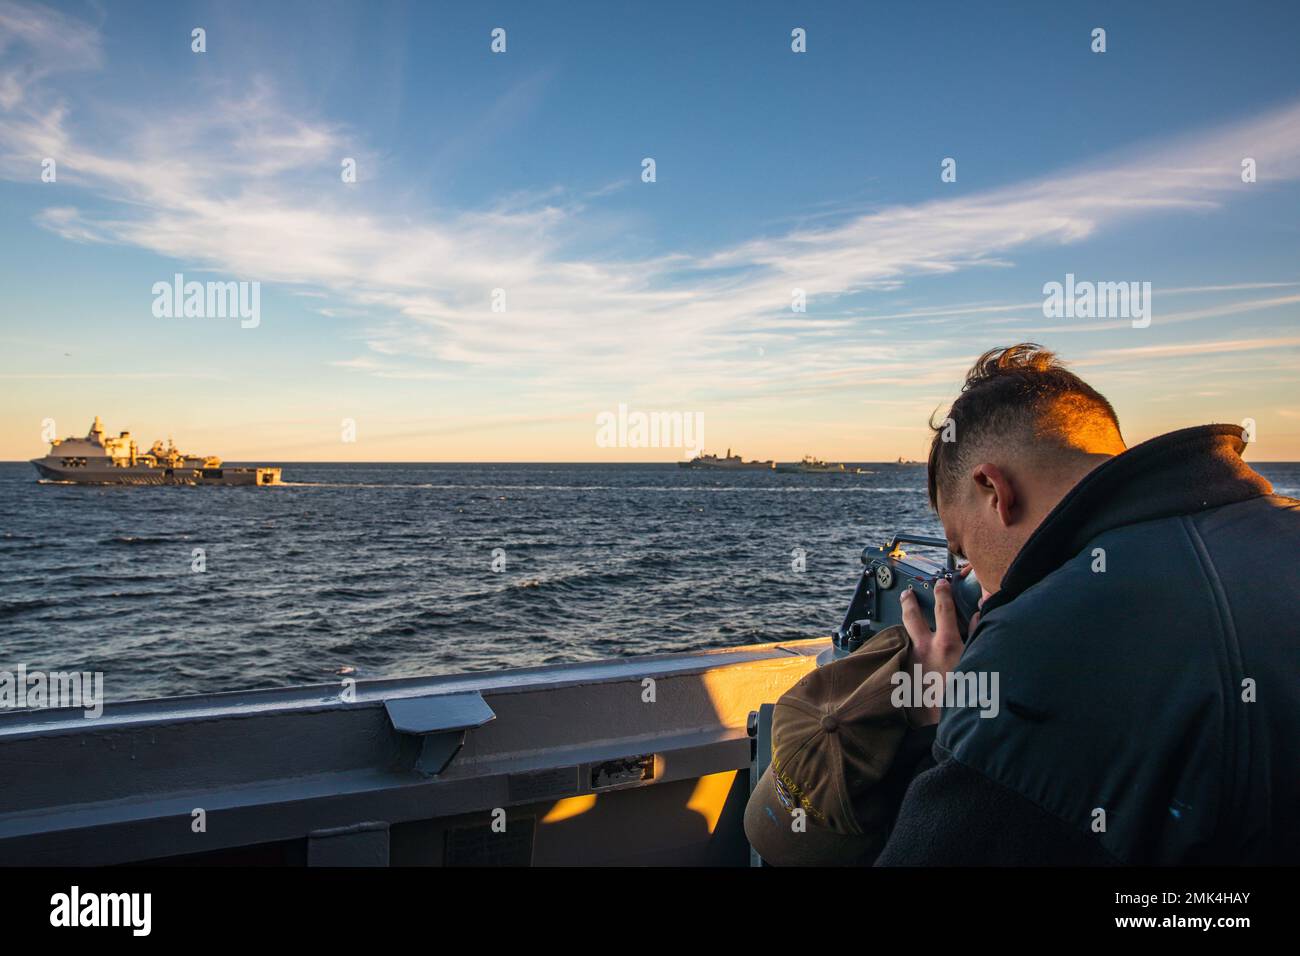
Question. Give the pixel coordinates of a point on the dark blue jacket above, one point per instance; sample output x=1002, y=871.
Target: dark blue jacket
x=1150, y=712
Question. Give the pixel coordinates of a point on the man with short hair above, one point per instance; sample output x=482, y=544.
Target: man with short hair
x=1141, y=615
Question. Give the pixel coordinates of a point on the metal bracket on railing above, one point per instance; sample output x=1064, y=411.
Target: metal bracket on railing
x=440, y=720
x=759, y=728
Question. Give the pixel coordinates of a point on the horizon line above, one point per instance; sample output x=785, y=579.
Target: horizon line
x=286, y=461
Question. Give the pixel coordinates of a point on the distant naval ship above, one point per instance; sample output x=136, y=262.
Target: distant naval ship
x=813, y=466
x=730, y=462
x=96, y=460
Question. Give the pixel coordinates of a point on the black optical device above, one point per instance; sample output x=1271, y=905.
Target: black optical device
x=890, y=571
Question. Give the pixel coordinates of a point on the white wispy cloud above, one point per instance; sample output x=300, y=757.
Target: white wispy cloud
x=1143, y=353
x=37, y=43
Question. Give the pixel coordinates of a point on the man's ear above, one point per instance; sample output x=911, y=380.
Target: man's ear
x=996, y=492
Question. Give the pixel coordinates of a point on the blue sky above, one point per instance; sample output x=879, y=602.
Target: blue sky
x=522, y=171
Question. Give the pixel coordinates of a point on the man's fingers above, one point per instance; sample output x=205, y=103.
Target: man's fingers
x=947, y=635
x=945, y=614
x=938, y=650
x=914, y=618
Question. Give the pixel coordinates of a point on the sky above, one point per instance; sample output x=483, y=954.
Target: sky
x=523, y=171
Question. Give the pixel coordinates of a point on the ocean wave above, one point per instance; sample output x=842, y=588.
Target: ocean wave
x=15, y=608
x=129, y=539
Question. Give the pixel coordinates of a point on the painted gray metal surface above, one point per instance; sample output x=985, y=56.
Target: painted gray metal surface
x=341, y=780
x=438, y=713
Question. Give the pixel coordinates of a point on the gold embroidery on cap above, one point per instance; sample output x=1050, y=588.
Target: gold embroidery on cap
x=798, y=792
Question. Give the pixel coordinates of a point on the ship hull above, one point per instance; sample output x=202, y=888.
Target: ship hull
x=53, y=470
x=747, y=466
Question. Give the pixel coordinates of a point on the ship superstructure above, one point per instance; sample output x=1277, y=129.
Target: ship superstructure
x=730, y=462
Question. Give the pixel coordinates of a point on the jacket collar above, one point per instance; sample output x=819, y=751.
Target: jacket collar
x=1179, y=473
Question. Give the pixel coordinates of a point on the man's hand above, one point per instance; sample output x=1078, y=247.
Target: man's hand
x=937, y=650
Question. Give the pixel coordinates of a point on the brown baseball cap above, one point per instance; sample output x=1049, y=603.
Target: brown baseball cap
x=834, y=738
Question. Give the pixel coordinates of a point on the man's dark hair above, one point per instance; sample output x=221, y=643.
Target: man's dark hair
x=1018, y=394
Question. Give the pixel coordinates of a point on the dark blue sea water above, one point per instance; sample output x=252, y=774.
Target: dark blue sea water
x=387, y=570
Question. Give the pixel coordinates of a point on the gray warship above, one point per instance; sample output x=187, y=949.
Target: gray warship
x=813, y=466
x=730, y=463
x=97, y=460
